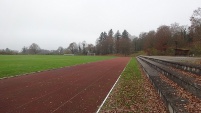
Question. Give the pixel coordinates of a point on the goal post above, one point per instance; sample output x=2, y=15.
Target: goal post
x=91, y=54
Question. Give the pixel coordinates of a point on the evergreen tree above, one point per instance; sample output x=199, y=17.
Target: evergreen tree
x=125, y=34
x=110, y=33
x=101, y=37
x=110, y=42
x=125, y=43
x=104, y=36
x=117, y=37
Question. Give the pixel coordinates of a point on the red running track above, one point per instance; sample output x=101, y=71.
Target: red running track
x=76, y=89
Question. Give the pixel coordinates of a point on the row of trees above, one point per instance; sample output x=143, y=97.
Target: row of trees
x=165, y=39
x=8, y=51
x=73, y=48
x=113, y=43
x=81, y=48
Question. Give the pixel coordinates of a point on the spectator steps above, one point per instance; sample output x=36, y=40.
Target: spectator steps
x=173, y=70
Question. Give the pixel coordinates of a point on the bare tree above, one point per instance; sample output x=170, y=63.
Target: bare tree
x=163, y=35
x=149, y=42
x=25, y=50
x=90, y=48
x=34, y=48
x=73, y=47
x=60, y=50
x=84, y=44
x=195, y=32
x=178, y=35
x=196, y=24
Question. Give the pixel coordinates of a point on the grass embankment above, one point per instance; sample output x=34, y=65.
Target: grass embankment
x=11, y=65
x=133, y=93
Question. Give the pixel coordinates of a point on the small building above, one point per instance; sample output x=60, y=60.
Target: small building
x=181, y=52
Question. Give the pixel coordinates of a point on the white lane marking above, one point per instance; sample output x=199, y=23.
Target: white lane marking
x=111, y=89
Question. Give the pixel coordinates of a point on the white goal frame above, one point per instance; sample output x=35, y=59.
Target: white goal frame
x=91, y=54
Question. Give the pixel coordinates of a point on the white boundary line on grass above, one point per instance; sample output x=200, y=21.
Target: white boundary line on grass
x=111, y=89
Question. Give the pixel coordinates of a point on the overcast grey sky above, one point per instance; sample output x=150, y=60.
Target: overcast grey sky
x=54, y=23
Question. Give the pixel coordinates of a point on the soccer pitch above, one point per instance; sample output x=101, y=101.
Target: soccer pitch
x=12, y=65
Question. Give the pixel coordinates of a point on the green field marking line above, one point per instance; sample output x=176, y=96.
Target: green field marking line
x=112, y=88
x=61, y=62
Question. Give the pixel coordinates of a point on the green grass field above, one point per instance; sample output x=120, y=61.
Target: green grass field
x=11, y=65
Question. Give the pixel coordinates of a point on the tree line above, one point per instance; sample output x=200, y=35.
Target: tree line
x=166, y=38
x=73, y=48
x=110, y=43
x=163, y=41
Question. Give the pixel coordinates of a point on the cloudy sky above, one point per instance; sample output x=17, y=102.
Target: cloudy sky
x=54, y=23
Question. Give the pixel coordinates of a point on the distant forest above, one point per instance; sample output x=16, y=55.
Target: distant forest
x=163, y=41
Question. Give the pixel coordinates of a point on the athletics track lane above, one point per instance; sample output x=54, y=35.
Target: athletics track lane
x=76, y=89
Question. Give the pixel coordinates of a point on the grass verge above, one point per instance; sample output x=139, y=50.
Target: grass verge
x=133, y=93
x=11, y=65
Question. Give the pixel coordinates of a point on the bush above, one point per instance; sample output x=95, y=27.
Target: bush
x=196, y=49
